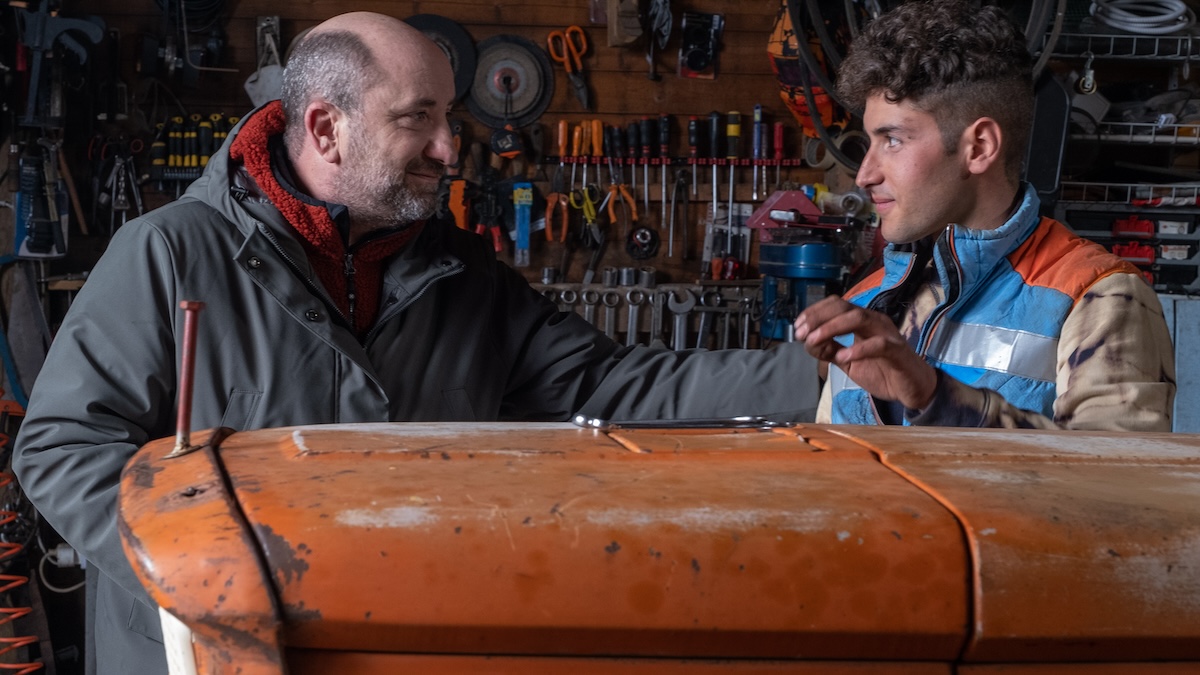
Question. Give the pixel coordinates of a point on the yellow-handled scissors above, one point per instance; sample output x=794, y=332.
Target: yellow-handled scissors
x=585, y=200
x=568, y=47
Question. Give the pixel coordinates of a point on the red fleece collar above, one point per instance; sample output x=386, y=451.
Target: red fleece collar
x=316, y=228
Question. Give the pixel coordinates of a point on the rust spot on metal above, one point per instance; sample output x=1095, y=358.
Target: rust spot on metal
x=695, y=565
x=282, y=557
x=241, y=640
x=613, y=547
x=299, y=612
x=143, y=472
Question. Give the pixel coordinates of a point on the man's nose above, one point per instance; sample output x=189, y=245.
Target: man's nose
x=442, y=147
x=868, y=171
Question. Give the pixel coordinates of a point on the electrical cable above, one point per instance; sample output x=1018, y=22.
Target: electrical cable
x=828, y=47
x=810, y=63
x=49, y=555
x=1052, y=41
x=1144, y=17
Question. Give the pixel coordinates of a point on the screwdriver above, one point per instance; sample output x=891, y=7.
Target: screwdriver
x=756, y=152
x=564, y=131
x=576, y=143
x=778, y=152
x=714, y=149
x=633, y=138
x=618, y=153
x=583, y=150
x=597, y=145
x=714, y=144
x=647, y=154
x=733, y=133
x=664, y=158
x=693, y=147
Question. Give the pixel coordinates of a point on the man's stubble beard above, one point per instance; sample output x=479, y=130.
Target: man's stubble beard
x=376, y=195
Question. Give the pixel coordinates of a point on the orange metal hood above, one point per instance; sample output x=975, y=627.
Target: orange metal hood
x=845, y=543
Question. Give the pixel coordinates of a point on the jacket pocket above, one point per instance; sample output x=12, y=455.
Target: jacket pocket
x=241, y=412
x=456, y=405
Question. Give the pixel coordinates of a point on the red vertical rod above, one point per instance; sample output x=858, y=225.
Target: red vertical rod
x=183, y=424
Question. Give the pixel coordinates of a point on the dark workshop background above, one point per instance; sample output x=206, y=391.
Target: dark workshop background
x=617, y=77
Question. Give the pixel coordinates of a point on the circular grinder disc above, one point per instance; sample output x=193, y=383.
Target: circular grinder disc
x=510, y=69
x=455, y=42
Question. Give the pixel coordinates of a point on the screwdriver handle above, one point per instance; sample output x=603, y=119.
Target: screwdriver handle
x=714, y=134
x=647, y=137
x=778, y=141
x=757, y=142
x=576, y=141
x=664, y=136
x=617, y=143
x=693, y=130
x=633, y=135
x=597, y=138
x=733, y=133
x=563, y=138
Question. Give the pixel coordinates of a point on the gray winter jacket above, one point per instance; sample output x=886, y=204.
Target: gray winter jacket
x=460, y=336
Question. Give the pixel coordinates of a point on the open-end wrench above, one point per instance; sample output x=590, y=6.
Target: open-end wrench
x=635, y=297
x=610, y=299
x=710, y=300
x=680, y=302
x=591, y=298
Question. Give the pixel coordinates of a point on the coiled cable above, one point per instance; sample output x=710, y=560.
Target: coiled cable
x=1144, y=17
x=9, y=550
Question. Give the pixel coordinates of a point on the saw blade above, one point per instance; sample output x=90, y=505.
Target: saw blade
x=455, y=42
x=514, y=82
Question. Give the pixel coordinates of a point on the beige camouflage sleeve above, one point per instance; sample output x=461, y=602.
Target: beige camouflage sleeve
x=1116, y=363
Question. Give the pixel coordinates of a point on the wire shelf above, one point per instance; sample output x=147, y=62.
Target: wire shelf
x=1127, y=46
x=1134, y=194
x=1143, y=133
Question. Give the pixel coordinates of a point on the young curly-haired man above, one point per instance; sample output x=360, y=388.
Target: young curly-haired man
x=984, y=313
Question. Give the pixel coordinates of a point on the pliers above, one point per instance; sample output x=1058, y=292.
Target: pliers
x=559, y=200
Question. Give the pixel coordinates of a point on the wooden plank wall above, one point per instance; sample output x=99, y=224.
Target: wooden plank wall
x=621, y=90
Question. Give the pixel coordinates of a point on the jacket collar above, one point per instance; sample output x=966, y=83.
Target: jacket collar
x=969, y=254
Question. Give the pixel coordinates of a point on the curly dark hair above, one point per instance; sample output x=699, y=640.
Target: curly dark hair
x=952, y=60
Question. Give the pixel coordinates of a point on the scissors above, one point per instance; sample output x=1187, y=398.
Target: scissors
x=568, y=47
x=585, y=199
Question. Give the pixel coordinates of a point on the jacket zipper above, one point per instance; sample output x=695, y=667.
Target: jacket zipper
x=952, y=293
x=312, y=285
x=351, y=291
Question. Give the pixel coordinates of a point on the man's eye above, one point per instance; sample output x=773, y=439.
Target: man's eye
x=891, y=141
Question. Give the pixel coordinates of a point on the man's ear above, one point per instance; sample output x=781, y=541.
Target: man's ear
x=323, y=130
x=983, y=139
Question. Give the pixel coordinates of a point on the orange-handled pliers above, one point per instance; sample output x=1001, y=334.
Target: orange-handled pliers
x=619, y=191
x=556, y=201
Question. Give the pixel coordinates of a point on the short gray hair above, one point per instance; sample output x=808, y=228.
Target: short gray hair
x=336, y=66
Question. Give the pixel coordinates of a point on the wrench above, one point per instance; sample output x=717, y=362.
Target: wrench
x=656, y=321
x=680, y=308
x=710, y=300
x=567, y=299
x=591, y=298
x=635, y=297
x=610, y=299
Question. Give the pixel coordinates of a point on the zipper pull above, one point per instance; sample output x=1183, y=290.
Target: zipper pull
x=349, y=271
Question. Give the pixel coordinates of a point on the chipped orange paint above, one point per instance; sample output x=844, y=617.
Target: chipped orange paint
x=548, y=548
